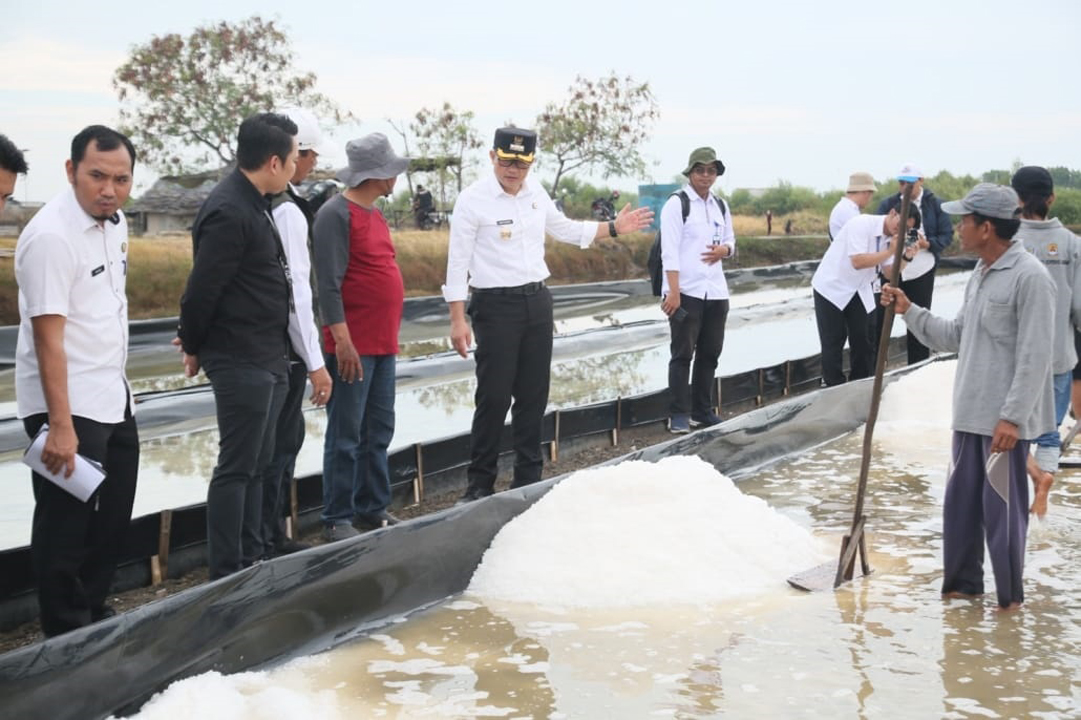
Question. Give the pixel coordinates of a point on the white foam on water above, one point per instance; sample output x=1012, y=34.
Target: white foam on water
x=640, y=534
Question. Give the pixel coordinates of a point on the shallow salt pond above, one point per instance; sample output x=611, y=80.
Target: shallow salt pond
x=706, y=639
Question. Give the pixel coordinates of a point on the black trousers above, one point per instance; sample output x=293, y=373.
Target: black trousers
x=919, y=291
x=514, y=362
x=699, y=335
x=288, y=438
x=74, y=545
x=833, y=326
x=248, y=399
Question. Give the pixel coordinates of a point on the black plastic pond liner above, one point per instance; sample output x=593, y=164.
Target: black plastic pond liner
x=316, y=599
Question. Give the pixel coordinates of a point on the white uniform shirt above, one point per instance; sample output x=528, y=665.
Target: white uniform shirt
x=682, y=245
x=842, y=212
x=497, y=240
x=836, y=279
x=304, y=336
x=67, y=264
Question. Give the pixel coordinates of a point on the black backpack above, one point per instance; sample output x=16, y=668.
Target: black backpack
x=653, y=262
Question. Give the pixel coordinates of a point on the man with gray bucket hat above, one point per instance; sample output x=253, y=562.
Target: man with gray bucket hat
x=361, y=296
x=1002, y=396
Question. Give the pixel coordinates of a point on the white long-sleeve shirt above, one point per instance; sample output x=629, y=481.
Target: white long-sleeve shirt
x=303, y=334
x=682, y=245
x=497, y=240
x=836, y=279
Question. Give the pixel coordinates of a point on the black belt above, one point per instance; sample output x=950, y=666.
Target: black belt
x=528, y=289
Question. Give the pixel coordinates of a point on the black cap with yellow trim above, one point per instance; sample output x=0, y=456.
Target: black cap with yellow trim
x=516, y=143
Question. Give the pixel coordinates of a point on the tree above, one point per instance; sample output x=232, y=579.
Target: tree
x=444, y=137
x=183, y=97
x=600, y=127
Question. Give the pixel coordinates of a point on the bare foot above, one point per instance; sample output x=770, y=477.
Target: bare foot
x=1012, y=607
x=1042, y=484
x=957, y=595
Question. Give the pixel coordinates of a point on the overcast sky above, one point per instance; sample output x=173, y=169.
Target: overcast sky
x=802, y=91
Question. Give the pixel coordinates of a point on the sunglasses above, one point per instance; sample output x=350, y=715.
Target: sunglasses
x=509, y=162
x=704, y=170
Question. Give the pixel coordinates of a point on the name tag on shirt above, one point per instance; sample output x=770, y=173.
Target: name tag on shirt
x=97, y=271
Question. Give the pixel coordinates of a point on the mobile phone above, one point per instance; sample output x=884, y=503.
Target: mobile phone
x=679, y=315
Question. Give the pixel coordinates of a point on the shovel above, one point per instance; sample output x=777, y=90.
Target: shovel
x=829, y=576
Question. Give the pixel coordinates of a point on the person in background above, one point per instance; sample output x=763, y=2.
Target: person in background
x=861, y=186
x=1002, y=397
x=293, y=217
x=918, y=281
x=71, y=265
x=12, y=164
x=843, y=295
x=422, y=206
x=1060, y=252
x=694, y=291
x=497, y=249
x=234, y=324
x=769, y=222
x=361, y=294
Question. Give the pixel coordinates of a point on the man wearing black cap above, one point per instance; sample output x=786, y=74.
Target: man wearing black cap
x=497, y=249
x=1002, y=395
x=1060, y=252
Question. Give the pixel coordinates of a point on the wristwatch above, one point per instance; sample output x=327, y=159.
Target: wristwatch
x=612, y=229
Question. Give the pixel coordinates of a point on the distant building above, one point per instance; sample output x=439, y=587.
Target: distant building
x=171, y=203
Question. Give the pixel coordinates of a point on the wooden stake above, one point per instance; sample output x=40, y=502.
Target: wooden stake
x=555, y=441
x=418, y=481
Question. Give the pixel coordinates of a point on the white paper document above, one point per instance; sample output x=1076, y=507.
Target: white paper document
x=82, y=483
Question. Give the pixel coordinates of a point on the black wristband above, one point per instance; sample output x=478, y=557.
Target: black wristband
x=612, y=229
x=907, y=258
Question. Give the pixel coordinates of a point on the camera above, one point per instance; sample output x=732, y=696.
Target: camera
x=912, y=237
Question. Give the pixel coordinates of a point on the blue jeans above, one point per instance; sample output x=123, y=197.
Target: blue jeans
x=360, y=425
x=1047, y=445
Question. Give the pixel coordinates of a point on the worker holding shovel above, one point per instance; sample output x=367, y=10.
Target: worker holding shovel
x=1002, y=395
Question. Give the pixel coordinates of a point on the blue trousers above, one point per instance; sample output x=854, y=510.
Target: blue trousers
x=360, y=426
x=1049, y=444
x=973, y=512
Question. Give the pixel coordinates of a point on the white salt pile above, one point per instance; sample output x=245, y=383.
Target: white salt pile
x=637, y=534
x=286, y=692
x=915, y=417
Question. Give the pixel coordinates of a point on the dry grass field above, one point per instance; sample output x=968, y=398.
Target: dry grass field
x=159, y=265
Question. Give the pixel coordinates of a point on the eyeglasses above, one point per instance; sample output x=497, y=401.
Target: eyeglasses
x=509, y=162
x=704, y=170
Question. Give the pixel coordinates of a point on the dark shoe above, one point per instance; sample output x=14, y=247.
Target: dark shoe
x=102, y=613
x=705, y=420
x=679, y=424
x=473, y=493
x=341, y=531
x=288, y=547
x=374, y=521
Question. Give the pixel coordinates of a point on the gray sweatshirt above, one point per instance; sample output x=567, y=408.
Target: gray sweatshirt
x=330, y=252
x=1002, y=335
x=1060, y=252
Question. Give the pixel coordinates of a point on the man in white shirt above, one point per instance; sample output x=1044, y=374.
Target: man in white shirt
x=843, y=295
x=497, y=248
x=293, y=219
x=71, y=267
x=694, y=239
x=861, y=187
x=12, y=163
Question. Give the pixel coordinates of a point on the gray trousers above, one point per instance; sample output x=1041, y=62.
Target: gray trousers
x=973, y=512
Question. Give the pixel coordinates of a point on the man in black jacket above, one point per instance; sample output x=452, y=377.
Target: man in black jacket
x=937, y=229
x=234, y=319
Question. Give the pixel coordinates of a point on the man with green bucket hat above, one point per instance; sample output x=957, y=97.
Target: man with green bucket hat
x=696, y=234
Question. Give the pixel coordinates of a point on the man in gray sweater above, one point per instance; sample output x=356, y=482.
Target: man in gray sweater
x=1002, y=395
x=1060, y=252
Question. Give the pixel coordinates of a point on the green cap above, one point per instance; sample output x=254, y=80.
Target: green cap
x=704, y=156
